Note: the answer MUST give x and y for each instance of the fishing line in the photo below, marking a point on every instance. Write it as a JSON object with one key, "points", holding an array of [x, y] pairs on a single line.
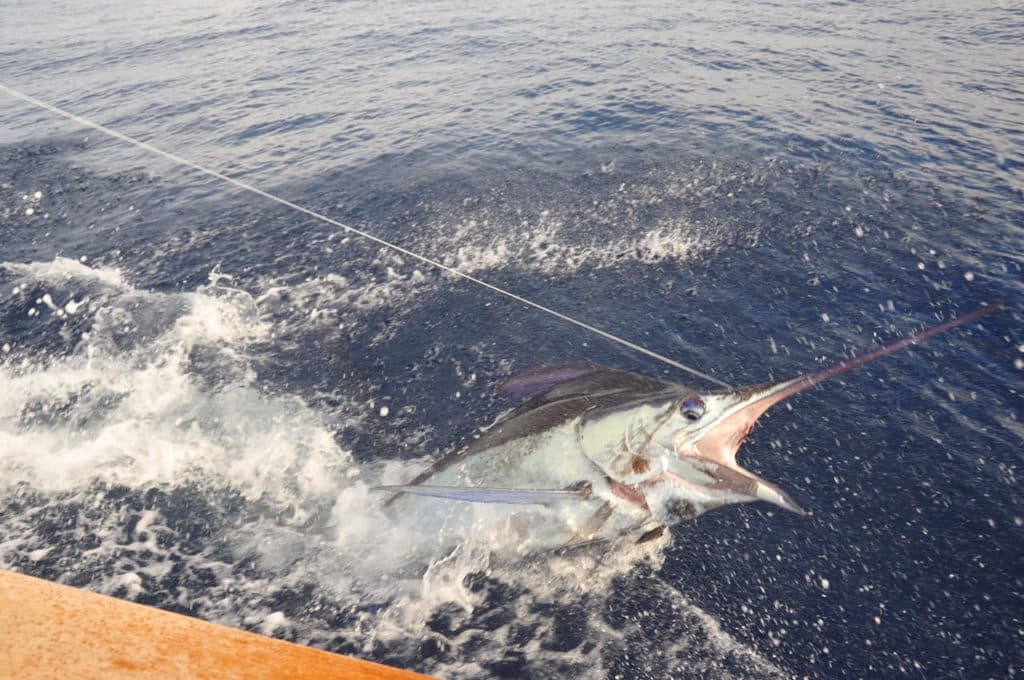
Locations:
{"points": [[323, 218]]}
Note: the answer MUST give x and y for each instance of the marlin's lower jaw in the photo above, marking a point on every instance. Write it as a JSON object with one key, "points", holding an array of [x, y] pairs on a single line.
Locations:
{"points": [[670, 487], [667, 488]]}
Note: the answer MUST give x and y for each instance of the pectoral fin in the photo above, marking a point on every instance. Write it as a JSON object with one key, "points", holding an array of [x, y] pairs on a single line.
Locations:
{"points": [[485, 495]]}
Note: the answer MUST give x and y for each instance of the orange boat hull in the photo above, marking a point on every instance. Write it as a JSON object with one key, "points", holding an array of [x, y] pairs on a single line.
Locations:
{"points": [[49, 630]]}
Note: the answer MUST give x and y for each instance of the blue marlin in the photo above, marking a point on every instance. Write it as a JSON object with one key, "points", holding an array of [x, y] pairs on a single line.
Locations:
{"points": [[601, 452]]}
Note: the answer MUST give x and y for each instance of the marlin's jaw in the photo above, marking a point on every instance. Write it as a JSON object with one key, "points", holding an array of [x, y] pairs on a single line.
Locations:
{"points": [[691, 464], [738, 411], [731, 416]]}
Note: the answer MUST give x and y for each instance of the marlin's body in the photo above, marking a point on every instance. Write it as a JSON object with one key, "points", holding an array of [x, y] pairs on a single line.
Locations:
{"points": [[542, 446], [597, 453]]}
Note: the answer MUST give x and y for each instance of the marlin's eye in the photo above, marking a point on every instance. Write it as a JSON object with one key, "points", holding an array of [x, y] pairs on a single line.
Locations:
{"points": [[692, 408]]}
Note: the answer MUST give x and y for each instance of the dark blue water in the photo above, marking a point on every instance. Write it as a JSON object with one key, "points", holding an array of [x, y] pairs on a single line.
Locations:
{"points": [[197, 385]]}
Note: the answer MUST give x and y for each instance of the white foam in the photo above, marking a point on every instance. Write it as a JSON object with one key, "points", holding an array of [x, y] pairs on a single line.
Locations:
{"points": [[273, 622], [545, 247], [142, 416], [62, 269]]}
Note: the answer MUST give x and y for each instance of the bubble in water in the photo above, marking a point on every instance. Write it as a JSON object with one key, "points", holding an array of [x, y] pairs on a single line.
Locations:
{"points": [[969, 276], [384, 411]]}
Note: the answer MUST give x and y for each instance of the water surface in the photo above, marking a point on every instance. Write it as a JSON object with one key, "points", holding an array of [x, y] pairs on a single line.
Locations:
{"points": [[193, 379]]}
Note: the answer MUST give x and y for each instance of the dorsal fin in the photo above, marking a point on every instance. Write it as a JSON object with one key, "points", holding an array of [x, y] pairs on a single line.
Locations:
{"points": [[540, 380], [563, 381]]}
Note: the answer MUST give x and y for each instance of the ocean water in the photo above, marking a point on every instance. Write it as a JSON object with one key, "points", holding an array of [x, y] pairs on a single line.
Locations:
{"points": [[198, 386]]}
